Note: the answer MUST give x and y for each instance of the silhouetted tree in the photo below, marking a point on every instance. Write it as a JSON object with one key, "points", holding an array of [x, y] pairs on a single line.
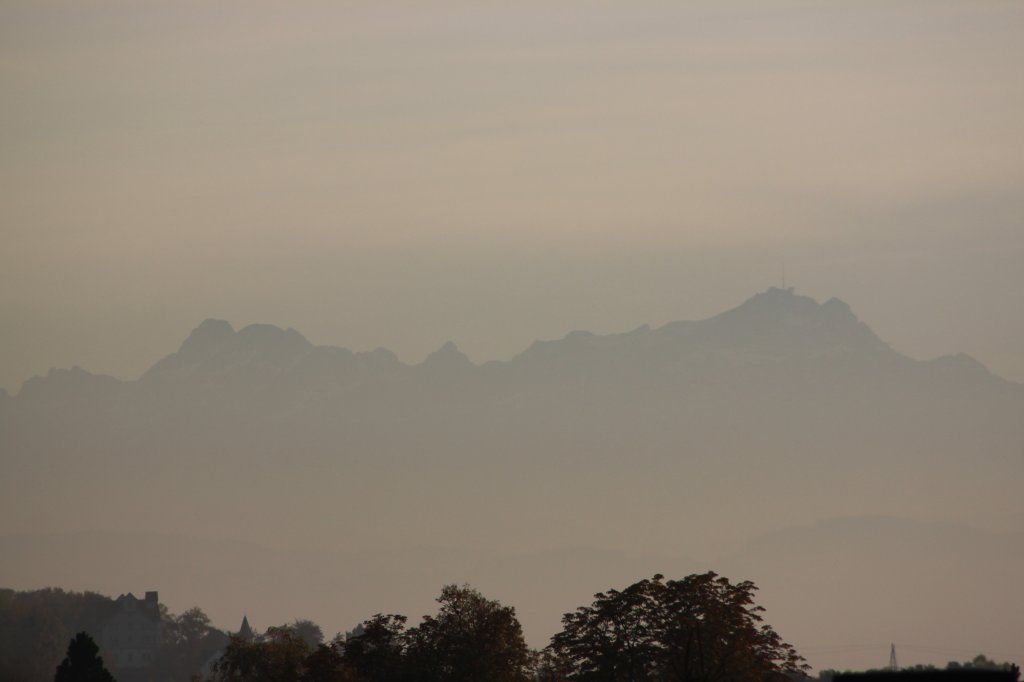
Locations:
{"points": [[377, 653], [550, 667], [326, 664], [83, 662], [187, 642], [471, 638], [308, 631], [701, 628], [35, 628], [279, 656], [612, 639], [982, 662]]}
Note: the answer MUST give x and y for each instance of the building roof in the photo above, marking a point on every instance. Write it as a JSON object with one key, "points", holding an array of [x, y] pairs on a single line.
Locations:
{"points": [[245, 631]]}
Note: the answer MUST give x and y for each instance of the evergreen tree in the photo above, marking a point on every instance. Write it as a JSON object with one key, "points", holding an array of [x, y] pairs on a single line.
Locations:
{"points": [[83, 662]]}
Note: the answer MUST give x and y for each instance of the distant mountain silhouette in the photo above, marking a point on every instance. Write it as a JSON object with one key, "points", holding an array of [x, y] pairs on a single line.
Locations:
{"points": [[780, 364], [781, 322], [447, 357], [778, 354], [776, 325]]}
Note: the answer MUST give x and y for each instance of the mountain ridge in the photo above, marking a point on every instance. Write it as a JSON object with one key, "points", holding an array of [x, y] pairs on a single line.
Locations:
{"points": [[777, 319], [678, 440], [768, 398]]}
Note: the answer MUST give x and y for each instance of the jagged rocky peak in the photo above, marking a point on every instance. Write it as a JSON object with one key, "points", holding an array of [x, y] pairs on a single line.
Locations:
{"points": [[209, 335], [214, 345], [258, 343], [447, 355], [783, 305], [205, 341], [782, 320]]}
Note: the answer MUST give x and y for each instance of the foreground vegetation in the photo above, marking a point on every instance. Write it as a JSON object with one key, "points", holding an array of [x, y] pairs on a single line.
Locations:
{"points": [[699, 628]]}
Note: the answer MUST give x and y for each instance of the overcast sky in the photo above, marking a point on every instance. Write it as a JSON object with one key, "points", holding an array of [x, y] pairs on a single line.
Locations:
{"points": [[401, 174]]}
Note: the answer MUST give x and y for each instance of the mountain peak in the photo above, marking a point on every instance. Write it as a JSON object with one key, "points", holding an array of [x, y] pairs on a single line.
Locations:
{"points": [[781, 319], [446, 356], [776, 301], [215, 341], [210, 334]]}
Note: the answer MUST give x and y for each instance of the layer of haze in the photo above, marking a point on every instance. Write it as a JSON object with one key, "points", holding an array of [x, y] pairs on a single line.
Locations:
{"points": [[399, 174]]}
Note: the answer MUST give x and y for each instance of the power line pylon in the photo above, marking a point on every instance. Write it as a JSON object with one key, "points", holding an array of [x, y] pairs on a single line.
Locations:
{"points": [[892, 658]]}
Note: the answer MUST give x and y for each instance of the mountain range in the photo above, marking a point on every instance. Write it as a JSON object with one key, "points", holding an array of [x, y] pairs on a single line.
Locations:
{"points": [[697, 439]]}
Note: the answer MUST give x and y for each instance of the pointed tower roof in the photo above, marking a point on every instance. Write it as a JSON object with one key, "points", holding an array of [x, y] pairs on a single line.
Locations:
{"points": [[245, 632]]}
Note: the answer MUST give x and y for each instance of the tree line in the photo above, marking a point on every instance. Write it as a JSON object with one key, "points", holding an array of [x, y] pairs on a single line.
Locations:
{"points": [[981, 662], [701, 628]]}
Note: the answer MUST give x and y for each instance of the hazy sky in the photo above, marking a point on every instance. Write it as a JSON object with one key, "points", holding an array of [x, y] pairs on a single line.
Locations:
{"points": [[400, 174]]}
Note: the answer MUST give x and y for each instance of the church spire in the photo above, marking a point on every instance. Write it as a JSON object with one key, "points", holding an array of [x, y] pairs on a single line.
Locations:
{"points": [[245, 632]]}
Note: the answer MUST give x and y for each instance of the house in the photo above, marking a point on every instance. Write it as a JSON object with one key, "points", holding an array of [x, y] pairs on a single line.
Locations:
{"points": [[130, 639]]}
